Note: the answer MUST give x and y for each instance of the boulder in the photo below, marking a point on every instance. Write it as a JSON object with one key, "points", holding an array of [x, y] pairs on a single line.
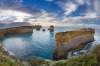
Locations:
{"points": [[72, 40]]}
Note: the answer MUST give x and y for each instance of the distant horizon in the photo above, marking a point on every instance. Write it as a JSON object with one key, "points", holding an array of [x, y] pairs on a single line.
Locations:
{"points": [[47, 12]]}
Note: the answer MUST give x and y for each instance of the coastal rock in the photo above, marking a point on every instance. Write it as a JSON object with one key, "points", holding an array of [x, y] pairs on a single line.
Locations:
{"points": [[43, 29], [72, 40], [38, 27], [18, 30], [51, 28]]}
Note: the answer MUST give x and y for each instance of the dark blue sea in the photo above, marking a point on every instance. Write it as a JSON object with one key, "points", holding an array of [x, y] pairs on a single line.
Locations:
{"points": [[40, 44]]}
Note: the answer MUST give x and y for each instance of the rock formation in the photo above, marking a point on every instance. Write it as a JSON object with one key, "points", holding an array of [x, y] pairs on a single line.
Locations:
{"points": [[71, 40], [18, 30], [38, 27], [43, 29], [51, 28]]}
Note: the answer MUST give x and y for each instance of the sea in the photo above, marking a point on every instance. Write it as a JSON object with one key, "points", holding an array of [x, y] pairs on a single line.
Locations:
{"points": [[41, 44]]}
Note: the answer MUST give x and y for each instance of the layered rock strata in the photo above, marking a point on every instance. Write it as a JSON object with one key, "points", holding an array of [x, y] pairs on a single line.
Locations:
{"points": [[18, 30], [72, 40]]}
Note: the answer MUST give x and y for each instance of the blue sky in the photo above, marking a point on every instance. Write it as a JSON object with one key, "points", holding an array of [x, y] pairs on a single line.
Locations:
{"points": [[69, 12]]}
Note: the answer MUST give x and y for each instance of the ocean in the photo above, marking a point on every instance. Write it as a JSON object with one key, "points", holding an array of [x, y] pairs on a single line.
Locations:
{"points": [[41, 44]]}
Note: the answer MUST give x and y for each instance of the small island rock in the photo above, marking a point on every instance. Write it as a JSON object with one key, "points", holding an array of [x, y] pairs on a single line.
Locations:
{"points": [[43, 29], [51, 28]]}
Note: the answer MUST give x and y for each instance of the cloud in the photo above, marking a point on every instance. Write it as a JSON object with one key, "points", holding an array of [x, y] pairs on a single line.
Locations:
{"points": [[11, 4], [80, 1], [69, 6], [44, 17], [12, 16], [90, 18], [17, 16], [97, 7], [19, 13], [49, 0]]}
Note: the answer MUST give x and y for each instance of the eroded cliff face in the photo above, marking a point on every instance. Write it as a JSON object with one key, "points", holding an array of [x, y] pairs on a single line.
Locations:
{"points": [[71, 40], [18, 30]]}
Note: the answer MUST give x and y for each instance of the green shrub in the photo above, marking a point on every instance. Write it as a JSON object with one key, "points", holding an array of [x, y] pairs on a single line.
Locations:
{"points": [[84, 60], [96, 51], [37, 62], [89, 59], [6, 62]]}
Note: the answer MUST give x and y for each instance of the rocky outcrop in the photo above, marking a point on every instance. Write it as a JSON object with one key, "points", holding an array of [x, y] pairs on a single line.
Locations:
{"points": [[51, 28], [38, 27], [18, 30], [71, 40], [43, 29]]}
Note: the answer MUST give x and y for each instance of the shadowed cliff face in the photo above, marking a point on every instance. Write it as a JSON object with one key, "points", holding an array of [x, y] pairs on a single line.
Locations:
{"points": [[71, 40]]}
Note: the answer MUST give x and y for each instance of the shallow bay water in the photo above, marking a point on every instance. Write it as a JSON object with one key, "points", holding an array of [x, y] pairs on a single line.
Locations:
{"points": [[40, 44]]}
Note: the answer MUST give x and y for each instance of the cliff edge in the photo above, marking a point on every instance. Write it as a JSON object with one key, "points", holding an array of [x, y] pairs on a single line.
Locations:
{"points": [[71, 40], [18, 30]]}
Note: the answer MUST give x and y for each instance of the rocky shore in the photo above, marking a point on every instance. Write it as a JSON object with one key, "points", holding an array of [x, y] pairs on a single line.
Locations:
{"points": [[65, 42], [72, 40]]}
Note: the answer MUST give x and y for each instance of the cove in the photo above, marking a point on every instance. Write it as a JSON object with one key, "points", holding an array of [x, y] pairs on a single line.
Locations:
{"points": [[39, 44]]}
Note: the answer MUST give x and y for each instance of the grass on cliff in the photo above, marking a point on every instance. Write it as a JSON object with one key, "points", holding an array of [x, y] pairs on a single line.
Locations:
{"points": [[5, 62], [84, 60], [90, 59], [37, 62]]}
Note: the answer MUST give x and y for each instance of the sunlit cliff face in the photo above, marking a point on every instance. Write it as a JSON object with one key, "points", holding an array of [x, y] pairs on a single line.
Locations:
{"points": [[14, 16]]}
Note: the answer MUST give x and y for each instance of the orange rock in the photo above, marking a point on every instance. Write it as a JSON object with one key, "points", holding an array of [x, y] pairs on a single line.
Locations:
{"points": [[71, 40], [18, 30]]}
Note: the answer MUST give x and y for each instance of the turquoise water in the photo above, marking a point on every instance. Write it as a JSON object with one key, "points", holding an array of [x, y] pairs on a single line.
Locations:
{"points": [[39, 44]]}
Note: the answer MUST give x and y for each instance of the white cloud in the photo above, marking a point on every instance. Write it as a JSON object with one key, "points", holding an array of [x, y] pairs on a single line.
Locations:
{"points": [[97, 6], [80, 1], [93, 6], [47, 19], [88, 16], [49, 0], [13, 16], [44, 17], [92, 12], [9, 16], [68, 7]]}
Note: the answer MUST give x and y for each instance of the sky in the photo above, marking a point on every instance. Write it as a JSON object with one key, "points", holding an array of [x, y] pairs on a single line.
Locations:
{"points": [[72, 13]]}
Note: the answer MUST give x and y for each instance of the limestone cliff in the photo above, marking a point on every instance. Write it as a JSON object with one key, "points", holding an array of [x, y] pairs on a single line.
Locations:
{"points": [[71, 40], [18, 30]]}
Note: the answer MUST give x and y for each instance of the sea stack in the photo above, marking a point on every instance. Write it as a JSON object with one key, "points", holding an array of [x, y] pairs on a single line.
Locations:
{"points": [[72, 40], [51, 28], [38, 27], [43, 29]]}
